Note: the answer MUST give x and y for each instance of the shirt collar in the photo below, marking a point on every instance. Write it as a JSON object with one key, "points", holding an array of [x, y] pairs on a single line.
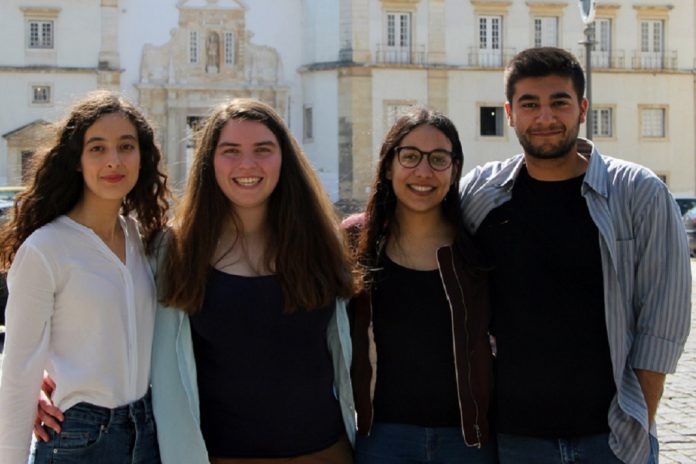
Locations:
{"points": [[596, 174]]}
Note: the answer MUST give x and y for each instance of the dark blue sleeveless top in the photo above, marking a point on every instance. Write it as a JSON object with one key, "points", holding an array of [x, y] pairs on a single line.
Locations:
{"points": [[265, 377]]}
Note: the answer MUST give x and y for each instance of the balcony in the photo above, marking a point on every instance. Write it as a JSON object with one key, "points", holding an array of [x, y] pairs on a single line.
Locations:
{"points": [[604, 59], [400, 55], [665, 60], [479, 58]]}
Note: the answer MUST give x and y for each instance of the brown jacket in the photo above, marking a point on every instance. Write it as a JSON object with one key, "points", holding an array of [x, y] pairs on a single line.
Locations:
{"points": [[470, 311]]}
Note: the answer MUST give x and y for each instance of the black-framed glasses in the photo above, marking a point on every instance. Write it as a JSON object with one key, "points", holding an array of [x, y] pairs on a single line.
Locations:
{"points": [[410, 157]]}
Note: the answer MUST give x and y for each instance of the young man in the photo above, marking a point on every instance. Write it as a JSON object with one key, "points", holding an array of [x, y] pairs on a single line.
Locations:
{"points": [[591, 279]]}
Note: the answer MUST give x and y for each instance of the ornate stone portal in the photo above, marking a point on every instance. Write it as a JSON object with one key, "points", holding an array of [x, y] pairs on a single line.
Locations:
{"points": [[208, 60]]}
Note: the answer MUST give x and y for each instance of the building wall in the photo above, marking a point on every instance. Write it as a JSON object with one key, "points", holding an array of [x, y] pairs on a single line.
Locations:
{"points": [[333, 59], [69, 68]]}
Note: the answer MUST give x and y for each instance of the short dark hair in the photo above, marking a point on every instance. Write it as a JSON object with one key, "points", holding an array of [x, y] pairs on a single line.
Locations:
{"points": [[542, 62]]}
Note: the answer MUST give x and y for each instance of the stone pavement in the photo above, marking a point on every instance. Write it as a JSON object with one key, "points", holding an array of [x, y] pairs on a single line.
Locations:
{"points": [[676, 416]]}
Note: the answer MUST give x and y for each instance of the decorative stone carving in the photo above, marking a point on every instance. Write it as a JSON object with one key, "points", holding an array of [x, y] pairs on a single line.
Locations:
{"points": [[212, 53], [181, 80]]}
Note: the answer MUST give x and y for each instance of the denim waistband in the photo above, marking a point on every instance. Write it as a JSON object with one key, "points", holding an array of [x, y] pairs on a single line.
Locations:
{"points": [[138, 411]]}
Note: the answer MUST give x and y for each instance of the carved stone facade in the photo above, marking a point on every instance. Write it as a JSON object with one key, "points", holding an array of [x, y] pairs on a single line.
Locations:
{"points": [[208, 60], [22, 144]]}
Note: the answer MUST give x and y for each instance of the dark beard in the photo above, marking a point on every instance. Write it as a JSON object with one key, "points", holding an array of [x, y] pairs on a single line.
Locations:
{"points": [[559, 152]]}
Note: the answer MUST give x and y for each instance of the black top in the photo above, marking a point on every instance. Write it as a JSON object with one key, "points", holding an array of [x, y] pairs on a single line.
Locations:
{"points": [[416, 381], [265, 377], [553, 368]]}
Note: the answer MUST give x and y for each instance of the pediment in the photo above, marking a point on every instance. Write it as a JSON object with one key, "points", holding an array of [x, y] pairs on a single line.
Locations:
{"points": [[37, 128], [212, 4]]}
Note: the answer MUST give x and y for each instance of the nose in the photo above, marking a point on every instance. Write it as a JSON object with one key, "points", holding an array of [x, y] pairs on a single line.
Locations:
{"points": [[545, 113], [114, 157], [247, 159], [423, 168]]}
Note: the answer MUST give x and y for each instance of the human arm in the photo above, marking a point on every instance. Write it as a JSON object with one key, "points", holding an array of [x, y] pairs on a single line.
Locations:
{"points": [[652, 384], [661, 298], [28, 317]]}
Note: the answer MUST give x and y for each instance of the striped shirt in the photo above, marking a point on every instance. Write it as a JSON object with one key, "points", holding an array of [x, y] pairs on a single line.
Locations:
{"points": [[646, 274]]}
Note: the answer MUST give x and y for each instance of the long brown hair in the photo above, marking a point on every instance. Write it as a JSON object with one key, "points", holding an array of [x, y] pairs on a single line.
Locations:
{"points": [[304, 247], [380, 214], [57, 185]]}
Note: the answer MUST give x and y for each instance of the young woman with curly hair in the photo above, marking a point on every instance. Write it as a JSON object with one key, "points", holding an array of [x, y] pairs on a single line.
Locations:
{"points": [[81, 294]]}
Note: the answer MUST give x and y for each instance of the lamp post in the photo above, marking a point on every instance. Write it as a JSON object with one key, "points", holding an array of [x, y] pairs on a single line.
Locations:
{"points": [[587, 13]]}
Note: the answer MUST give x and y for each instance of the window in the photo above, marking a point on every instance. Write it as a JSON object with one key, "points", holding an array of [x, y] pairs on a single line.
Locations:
{"points": [[193, 47], [229, 48], [652, 122], [546, 31], [492, 120], [40, 34], [41, 94], [601, 49], [489, 41], [651, 43], [398, 37], [26, 165], [308, 124], [602, 125]]}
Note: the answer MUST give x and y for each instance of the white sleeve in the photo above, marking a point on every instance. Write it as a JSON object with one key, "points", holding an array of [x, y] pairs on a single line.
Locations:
{"points": [[29, 308]]}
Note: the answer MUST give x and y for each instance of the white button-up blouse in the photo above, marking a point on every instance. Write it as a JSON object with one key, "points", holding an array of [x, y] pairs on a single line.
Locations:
{"points": [[75, 310]]}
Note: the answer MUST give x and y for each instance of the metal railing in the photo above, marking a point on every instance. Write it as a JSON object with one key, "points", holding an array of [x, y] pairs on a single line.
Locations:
{"points": [[665, 60], [611, 59], [393, 55], [490, 58]]}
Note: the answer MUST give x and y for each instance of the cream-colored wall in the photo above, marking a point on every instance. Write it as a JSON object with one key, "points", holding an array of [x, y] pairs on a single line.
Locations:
{"points": [[319, 92]]}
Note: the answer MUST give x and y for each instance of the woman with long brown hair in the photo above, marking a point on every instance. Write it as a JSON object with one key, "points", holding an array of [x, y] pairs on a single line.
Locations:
{"points": [[81, 295], [421, 356], [251, 352]]}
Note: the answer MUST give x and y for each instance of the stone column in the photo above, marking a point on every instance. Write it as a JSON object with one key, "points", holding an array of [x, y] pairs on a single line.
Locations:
{"points": [[436, 32], [438, 89], [354, 135], [108, 73]]}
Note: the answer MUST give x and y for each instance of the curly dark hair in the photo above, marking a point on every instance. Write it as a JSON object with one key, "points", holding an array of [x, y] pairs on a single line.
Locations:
{"points": [[57, 185]]}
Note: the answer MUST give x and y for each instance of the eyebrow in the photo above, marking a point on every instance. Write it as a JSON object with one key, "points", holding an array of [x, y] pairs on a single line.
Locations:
{"points": [[258, 144], [554, 96], [102, 139]]}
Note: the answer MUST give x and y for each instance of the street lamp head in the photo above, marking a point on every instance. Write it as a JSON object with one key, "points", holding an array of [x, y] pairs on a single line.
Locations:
{"points": [[587, 10]]}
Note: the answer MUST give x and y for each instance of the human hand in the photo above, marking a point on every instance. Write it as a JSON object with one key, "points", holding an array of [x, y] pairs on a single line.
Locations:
{"points": [[47, 415]]}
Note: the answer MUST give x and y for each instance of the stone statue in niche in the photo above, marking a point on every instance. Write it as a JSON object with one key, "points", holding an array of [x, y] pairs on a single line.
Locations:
{"points": [[212, 53]]}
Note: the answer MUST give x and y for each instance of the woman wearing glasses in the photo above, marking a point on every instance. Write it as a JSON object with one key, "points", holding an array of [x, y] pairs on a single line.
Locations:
{"points": [[421, 354]]}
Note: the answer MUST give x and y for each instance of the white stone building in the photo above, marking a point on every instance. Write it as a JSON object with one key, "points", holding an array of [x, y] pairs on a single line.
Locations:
{"points": [[340, 71]]}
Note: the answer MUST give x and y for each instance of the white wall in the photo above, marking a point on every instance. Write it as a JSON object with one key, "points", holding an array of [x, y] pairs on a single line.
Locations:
{"points": [[320, 90]]}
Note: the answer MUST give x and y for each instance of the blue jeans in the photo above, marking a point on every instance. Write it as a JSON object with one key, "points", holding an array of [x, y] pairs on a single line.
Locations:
{"points": [[410, 444], [591, 449], [89, 433]]}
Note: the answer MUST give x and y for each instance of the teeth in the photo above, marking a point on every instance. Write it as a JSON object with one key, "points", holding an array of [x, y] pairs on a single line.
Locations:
{"points": [[421, 188], [247, 180]]}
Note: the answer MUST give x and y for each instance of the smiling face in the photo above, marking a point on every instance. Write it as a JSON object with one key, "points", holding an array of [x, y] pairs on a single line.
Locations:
{"points": [[110, 159], [247, 163], [421, 189], [546, 115]]}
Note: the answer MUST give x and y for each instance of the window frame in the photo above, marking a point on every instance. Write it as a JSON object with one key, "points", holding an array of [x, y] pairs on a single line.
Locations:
{"points": [[642, 111], [34, 87]]}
